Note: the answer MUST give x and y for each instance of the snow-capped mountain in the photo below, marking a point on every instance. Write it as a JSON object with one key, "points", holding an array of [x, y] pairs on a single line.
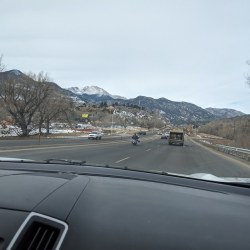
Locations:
{"points": [[93, 90], [175, 112]]}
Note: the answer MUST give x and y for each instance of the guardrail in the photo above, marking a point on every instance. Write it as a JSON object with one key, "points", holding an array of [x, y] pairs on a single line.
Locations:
{"points": [[239, 152]]}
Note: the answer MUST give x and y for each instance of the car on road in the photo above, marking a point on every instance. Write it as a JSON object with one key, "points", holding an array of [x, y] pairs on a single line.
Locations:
{"points": [[165, 136], [142, 133], [95, 135], [72, 205]]}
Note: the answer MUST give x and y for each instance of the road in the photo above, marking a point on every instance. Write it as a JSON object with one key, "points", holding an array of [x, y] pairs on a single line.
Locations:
{"points": [[151, 154]]}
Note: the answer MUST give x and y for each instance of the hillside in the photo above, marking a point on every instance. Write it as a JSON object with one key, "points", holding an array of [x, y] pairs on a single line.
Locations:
{"points": [[20, 77], [177, 113], [120, 116], [221, 113], [236, 129]]}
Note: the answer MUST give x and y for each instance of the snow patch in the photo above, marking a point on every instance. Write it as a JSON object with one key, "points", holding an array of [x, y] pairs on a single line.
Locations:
{"points": [[93, 90], [15, 72]]}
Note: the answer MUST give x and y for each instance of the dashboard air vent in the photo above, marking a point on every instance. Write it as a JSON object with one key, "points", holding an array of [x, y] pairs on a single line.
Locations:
{"points": [[39, 236], [39, 232]]}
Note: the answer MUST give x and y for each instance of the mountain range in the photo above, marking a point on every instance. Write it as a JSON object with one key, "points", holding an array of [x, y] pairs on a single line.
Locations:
{"points": [[175, 112], [224, 113]]}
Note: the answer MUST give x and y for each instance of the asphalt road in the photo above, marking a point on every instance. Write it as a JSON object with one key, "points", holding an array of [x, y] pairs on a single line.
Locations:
{"points": [[151, 154]]}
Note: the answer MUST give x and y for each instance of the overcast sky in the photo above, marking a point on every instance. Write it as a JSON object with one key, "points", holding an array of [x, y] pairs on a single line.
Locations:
{"points": [[183, 50]]}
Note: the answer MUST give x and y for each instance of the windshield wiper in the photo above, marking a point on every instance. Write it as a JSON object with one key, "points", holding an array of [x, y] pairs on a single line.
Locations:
{"points": [[71, 162]]}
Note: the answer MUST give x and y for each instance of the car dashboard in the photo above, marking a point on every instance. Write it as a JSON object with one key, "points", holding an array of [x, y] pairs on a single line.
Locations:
{"points": [[61, 206]]}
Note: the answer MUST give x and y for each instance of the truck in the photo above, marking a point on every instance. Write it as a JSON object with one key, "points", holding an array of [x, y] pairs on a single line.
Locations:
{"points": [[176, 137]]}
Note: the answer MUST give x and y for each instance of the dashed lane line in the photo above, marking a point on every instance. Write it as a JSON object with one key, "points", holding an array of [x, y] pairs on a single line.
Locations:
{"points": [[122, 159], [148, 149]]}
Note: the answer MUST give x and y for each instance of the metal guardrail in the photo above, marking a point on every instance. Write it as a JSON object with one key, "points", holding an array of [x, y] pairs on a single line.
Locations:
{"points": [[239, 152]]}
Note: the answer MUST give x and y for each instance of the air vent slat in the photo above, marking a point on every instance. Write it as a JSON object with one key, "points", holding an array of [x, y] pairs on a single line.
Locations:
{"points": [[40, 236], [31, 245], [49, 241], [41, 241]]}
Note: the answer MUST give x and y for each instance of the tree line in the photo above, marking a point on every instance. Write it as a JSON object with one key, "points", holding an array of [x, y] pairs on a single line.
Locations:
{"points": [[236, 129]]}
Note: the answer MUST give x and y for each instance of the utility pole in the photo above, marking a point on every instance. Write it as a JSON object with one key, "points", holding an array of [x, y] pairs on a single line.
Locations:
{"points": [[112, 120], [234, 129], [195, 127], [112, 123]]}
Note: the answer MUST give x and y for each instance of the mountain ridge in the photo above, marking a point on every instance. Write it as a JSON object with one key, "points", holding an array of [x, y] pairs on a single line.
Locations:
{"points": [[176, 112], [224, 112], [93, 90]]}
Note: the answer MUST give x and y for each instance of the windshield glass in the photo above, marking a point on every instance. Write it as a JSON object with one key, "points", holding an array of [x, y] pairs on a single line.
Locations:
{"points": [[159, 86]]}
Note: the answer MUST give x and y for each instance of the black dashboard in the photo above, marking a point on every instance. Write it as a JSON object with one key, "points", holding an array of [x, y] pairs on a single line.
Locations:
{"points": [[89, 207]]}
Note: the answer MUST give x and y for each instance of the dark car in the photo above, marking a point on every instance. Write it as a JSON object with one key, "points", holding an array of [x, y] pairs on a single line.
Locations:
{"points": [[142, 133], [65, 206]]}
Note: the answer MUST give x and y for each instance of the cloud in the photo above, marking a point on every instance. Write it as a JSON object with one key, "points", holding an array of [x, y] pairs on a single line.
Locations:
{"points": [[183, 50]]}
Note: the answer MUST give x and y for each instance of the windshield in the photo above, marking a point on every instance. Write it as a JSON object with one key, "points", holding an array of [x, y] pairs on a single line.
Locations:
{"points": [[159, 86]]}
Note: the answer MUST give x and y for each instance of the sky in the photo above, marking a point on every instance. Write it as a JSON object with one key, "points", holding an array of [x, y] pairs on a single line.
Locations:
{"points": [[184, 50]]}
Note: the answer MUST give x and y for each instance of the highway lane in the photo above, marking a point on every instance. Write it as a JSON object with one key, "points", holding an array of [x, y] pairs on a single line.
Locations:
{"points": [[151, 154], [28, 142]]}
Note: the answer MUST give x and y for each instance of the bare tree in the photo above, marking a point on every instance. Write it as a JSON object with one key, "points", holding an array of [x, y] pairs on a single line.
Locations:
{"points": [[40, 77], [158, 123], [55, 107], [22, 96], [2, 66]]}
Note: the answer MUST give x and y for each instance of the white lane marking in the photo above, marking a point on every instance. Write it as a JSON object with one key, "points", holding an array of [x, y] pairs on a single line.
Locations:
{"points": [[59, 146], [148, 149], [122, 159]]}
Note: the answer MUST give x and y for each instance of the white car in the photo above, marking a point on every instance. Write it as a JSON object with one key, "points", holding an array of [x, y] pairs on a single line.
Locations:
{"points": [[95, 135]]}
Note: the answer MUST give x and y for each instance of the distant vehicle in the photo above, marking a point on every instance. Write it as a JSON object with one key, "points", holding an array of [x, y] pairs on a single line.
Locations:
{"points": [[95, 135], [165, 136], [159, 133], [176, 137], [142, 133], [4, 131]]}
